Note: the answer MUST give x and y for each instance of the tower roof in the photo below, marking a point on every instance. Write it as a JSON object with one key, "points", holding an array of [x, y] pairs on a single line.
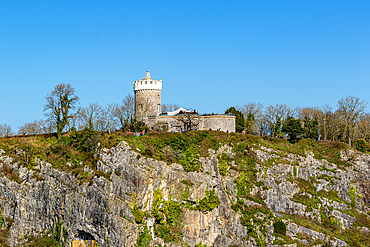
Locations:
{"points": [[148, 83]]}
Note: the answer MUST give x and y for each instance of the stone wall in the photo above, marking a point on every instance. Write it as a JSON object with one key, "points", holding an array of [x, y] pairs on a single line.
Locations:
{"points": [[220, 122], [147, 103]]}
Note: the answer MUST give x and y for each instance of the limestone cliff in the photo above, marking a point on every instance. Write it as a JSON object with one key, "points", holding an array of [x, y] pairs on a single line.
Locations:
{"points": [[228, 200]]}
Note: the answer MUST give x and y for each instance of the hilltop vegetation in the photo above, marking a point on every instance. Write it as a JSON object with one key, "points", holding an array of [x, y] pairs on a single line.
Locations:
{"points": [[279, 192], [349, 123]]}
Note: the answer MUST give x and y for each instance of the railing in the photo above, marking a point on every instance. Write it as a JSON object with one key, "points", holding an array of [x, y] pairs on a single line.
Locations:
{"points": [[84, 243]]}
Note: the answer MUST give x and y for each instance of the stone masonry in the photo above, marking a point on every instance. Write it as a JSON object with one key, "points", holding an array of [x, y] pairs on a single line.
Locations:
{"points": [[147, 97], [148, 109]]}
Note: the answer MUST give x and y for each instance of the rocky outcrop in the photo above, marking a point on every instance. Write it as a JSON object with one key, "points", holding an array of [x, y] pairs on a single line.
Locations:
{"points": [[102, 208]]}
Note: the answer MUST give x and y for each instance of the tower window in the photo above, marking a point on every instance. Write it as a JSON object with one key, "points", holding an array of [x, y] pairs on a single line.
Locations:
{"points": [[146, 82], [141, 83], [158, 108]]}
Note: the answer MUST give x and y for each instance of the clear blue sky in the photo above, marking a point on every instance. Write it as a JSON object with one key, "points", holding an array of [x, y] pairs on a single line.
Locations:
{"points": [[210, 54]]}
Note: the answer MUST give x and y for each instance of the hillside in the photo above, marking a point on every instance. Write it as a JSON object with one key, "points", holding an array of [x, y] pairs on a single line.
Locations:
{"points": [[200, 188]]}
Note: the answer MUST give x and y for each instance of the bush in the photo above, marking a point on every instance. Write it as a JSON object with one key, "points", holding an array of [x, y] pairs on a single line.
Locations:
{"points": [[88, 141], [243, 184], [279, 227], [223, 166], [361, 145], [168, 215], [209, 202], [136, 126], [191, 160], [44, 241], [138, 214], [144, 238], [200, 245]]}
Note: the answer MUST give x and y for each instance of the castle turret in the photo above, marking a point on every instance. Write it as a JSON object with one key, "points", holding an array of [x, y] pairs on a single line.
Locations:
{"points": [[147, 97]]}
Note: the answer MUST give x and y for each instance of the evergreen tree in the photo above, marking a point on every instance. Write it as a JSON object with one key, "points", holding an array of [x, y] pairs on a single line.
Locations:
{"points": [[277, 127], [311, 129], [239, 121], [293, 128], [249, 123]]}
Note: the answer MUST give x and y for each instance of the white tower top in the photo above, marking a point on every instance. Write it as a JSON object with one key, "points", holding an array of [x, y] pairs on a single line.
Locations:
{"points": [[148, 83]]}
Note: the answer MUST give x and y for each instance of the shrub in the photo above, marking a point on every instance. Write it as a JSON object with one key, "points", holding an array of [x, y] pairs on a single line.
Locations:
{"points": [[223, 166], [209, 201], [187, 182], [243, 184], [88, 141], [279, 227], [352, 195], [138, 214], [295, 171], [200, 245], [361, 145], [178, 142], [136, 126], [144, 238], [44, 241], [191, 160], [168, 215]]}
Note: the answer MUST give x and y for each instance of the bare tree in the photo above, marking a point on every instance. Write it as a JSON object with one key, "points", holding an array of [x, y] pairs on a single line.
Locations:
{"points": [[47, 126], [256, 111], [262, 126], [59, 104], [309, 117], [350, 110], [189, 119], [170, 107], [108, 118], [125, 111], [363, 127], [74, 123], [30, 128], [333, 126], [37, 127], [90, 115], [276, 114], [6, 130], [324, 119], [255, 108], [309, 113]]}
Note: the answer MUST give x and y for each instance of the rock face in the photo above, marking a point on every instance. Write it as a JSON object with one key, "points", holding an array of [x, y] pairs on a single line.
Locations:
{"points": [[103, 209]]}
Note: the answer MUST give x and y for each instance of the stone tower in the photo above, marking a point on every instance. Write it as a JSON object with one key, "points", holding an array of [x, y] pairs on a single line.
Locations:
{"points": [[147, 97]]}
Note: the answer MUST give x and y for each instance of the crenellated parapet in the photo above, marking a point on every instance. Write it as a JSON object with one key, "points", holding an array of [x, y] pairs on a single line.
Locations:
{"points": [[147, 83]]}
